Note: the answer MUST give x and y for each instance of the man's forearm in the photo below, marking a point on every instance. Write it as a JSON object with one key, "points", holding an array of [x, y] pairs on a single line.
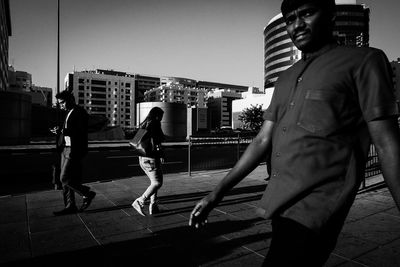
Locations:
{"points": [[386, 137], [390, 166], [250, 159]]}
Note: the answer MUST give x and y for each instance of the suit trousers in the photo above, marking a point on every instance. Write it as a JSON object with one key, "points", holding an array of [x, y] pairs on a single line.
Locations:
{"points": [[71, 177]]}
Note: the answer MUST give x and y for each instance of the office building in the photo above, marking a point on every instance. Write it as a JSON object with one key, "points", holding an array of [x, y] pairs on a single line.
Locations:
{"points": [[220, 108], [174, 92], [5, 32], [104, 92], [396, 77], [115, 94], [19, 81], [178, 80], [210, 86], [351, 28], [352, 24], [144, 83]]}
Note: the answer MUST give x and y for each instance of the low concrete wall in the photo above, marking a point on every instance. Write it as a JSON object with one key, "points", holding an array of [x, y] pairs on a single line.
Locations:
{"points": [[108, 134]]}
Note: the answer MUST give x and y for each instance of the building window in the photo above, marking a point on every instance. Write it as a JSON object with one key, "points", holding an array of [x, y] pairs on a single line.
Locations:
{"points": [[98, 82], [98, 89], [98, 102]]}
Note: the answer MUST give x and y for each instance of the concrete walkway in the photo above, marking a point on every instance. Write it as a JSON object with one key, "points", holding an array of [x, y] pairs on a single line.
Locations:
{"points": [[111, 233]]}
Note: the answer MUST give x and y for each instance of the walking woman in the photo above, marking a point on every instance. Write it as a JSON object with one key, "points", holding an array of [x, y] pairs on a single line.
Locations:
{"points": [[151, 165]]}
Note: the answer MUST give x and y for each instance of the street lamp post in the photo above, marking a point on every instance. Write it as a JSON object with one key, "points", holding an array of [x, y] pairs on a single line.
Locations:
{"points": [[58, 46]]}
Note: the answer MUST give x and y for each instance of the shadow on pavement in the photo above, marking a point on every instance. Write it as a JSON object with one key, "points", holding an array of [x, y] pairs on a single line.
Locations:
{"points": [[179, 246], [194, 197]]}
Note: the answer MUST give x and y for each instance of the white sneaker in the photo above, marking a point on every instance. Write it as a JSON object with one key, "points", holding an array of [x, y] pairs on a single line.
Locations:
{"points": [[138, 206], [153, 208]]}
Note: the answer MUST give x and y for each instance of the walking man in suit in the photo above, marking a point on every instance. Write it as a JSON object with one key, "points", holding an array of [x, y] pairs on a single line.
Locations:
{"points": [[74, 144]]}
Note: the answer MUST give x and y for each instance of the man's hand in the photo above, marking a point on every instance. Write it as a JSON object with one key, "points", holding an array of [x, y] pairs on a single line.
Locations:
{"points": [[198, 217]]}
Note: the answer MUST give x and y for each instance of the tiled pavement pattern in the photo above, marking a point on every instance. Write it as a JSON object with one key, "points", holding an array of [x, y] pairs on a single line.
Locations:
{"points": [[110, 233]]}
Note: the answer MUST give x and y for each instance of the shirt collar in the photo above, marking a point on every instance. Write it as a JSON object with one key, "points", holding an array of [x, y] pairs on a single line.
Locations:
{"points": [[324, 49]]}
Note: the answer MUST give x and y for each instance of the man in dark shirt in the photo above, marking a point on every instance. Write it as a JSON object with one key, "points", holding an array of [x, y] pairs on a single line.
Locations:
{"points": [[74, 144], [325, 110]]}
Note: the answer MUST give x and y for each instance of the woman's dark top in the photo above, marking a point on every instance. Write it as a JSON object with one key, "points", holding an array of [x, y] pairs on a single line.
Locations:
{"points": [[154, 129]]}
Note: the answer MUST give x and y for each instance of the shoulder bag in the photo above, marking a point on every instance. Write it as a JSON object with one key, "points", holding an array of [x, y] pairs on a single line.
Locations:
{"points": [[142, 143]]}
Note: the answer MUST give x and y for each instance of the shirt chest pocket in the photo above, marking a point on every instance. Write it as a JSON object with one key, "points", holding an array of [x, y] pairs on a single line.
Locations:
{"points": [[322, 111]]}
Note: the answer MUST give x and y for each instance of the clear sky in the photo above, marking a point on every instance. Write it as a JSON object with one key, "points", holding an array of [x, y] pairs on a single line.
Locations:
{"points": [[209, 40]]}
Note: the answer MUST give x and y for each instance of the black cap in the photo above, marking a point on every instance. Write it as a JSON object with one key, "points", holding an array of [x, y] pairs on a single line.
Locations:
{"points": [[290, 5]]}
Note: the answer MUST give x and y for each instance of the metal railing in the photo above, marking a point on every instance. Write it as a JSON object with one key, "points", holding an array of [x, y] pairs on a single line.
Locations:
{"points": [[239, 143], [372, 170]]}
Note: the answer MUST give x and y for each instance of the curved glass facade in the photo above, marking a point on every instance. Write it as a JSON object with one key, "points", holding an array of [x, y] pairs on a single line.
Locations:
{"points": [[351, 28], [279, 51], [5, 32]]}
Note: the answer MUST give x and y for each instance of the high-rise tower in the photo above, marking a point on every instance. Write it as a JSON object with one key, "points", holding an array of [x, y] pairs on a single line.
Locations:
{"points": [[352, 24], [279, 50], [5, 32]]}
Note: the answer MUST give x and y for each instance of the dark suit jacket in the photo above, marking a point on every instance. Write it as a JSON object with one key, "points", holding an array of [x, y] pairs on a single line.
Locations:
{"points": [[77, 130]]}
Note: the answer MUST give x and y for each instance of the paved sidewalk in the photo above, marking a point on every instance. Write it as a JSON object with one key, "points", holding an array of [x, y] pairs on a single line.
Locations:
{"points": [[111, 233]]}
